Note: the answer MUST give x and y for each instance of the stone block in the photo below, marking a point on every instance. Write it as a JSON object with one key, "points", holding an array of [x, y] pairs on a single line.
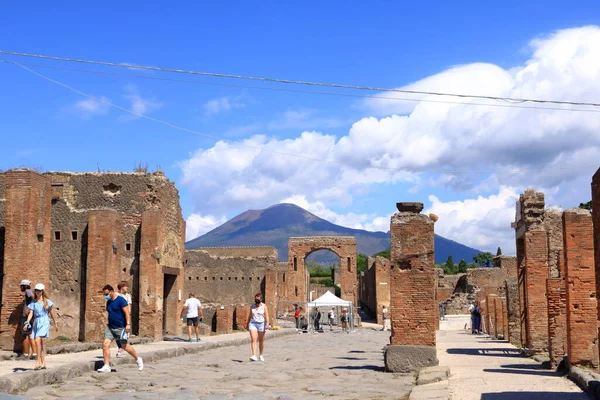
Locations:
{"points": [[433, 374], [404, 359]]}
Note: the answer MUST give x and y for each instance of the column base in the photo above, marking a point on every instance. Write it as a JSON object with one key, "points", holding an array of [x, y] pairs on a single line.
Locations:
{"points": [[405, 359]]}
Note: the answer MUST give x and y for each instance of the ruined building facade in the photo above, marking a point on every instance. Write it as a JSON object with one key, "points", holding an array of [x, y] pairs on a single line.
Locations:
{"points": [[76, 232]]}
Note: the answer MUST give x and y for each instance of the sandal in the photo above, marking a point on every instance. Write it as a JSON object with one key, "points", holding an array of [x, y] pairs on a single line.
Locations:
{"points": [[37, 368], [44, 367]]}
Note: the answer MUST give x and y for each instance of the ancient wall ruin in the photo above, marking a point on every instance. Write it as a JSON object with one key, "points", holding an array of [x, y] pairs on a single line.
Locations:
{"points": [[375, 287], [89, 230]]}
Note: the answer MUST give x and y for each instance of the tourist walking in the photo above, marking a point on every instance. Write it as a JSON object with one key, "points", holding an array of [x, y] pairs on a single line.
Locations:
{"points": [[28, 343], [40, 330], [258, 321], [331, 317], [476, 318], [118, 327], [123, 288], [317, 320], [297, 316], [385, 314], [193, 314]]}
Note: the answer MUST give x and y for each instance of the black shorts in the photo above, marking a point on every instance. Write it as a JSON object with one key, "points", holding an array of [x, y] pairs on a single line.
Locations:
{"points": [[192, 321]]}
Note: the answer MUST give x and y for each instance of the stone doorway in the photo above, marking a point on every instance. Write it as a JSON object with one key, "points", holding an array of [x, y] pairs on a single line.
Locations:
{"points": [[170, 299]]}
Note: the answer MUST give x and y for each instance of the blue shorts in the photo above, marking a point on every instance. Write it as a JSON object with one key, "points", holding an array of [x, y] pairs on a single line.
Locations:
{"points": [[256, 326]]}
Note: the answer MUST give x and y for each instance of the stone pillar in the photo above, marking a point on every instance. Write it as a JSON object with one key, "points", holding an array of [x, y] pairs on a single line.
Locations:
{"points": [[26, 246], [499, 318], [151, 279], [513, 311], [536, 274], [557, 319], [521, 292], [596, 222], [582, 306], [103, 267], [491, 302], [484, 316], [242, 311], [412, 291], [224, 319], [271, 295]]}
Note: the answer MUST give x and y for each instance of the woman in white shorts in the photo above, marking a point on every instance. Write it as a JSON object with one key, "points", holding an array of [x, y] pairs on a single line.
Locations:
{"points": [[258, 321]]}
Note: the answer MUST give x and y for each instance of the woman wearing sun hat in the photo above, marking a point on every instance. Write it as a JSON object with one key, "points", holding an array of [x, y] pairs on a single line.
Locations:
{"points": [[41, 309]]}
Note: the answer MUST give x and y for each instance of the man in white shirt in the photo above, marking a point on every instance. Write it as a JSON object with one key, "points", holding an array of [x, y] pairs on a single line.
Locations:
{"points": [[193, 310]]}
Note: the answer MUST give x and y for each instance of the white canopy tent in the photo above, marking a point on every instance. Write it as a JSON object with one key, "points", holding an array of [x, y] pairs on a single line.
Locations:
{"points": [[331, 300]]}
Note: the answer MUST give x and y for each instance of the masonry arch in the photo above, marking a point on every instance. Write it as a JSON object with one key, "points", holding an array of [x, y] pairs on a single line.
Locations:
{"points": [[301, 247]]}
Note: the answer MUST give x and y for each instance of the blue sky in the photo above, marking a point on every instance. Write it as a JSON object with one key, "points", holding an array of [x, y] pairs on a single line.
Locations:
{"points": [[384, 44]]}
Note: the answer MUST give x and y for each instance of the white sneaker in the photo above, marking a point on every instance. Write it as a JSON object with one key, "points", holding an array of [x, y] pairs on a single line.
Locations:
{"points": [[140, 363], [119, 353], [106, 368], [261, 358], [253, 358]]}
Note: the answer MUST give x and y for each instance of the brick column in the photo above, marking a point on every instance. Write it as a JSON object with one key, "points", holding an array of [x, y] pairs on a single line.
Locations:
{"points": [[536, 274], [271, 291], [103, 267], [505, 332], [582, 306], [513, 311], [224, 319], [499, 318], [412, 291], [596, 222], [242, 311], [491, 302], [557, 319], [26, 246], [151, 279], [484, 316]]}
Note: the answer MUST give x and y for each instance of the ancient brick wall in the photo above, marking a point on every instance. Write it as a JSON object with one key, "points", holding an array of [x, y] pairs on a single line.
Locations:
{"points": [[557, 319], [226, 280], [251, 252], [27, 238], [513, 311], [301, 247], [103, 266], [242, 312], [224, 316], [413, 305], [492, 315], [376, 287], [596, 223], [536, 274], [582, 306], [554, 230], [521, 290]]}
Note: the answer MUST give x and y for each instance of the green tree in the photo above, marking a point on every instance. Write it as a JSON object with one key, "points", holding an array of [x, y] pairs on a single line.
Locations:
{"points": [[384, 254], [483, 259], [449, 267], [361, 263], [462, 266], [587, 206], [317, 270], [498, 252]]}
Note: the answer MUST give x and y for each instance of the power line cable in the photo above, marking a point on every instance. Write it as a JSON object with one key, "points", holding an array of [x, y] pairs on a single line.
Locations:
{"points": [[304, 91], [360, 167], [297, 82]]}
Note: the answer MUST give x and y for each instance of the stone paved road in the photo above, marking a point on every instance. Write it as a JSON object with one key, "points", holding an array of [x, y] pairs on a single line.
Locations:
{"points": [[332, 365]]}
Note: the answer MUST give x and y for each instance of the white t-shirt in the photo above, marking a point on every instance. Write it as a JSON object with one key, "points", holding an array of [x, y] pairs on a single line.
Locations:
{"points": [[258, 313], [127, 297], [191, 307], [331, 314]]}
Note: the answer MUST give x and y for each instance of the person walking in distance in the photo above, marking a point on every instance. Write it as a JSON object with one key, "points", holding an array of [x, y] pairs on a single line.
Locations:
{"points": [[258, 321], [385, 314], [317, 320], [118, 328], [476, 318], [297, 316], [193, 313], [331, 317], [123, 288], [40, 330], [28, 343]]}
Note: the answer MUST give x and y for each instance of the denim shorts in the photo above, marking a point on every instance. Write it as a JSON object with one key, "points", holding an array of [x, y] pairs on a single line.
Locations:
{"points": [[256, 326]]}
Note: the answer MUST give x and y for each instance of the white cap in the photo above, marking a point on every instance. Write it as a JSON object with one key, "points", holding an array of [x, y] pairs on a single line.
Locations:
{"points": [[25, 282], [39, 286]]}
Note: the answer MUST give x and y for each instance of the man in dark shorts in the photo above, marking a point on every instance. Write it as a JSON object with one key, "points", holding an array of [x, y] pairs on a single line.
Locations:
{"points": [[193, 312], [118, 328], [28, 343]]}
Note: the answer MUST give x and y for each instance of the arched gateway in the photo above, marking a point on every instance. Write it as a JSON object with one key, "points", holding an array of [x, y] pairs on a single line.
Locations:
{"points": [[297, 277]]}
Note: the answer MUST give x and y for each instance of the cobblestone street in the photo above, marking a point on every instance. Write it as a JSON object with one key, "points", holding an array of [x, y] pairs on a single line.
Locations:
{"points": [[332, 365]]}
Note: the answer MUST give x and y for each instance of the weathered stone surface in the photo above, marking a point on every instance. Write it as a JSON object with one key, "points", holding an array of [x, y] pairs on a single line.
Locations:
{"points": [[433, 374], [412, 207], [432, 391], [403, 358]]}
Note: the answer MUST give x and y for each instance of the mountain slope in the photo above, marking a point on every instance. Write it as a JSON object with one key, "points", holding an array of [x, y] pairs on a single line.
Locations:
{"points": [[274, 225]]}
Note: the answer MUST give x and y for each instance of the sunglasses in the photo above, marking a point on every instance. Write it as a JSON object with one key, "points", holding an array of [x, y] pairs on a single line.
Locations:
{"points": [[37, 290]]}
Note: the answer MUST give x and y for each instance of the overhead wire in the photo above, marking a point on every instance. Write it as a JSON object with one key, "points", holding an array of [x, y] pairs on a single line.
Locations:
{"points": [[296, 82], [422, 100]]}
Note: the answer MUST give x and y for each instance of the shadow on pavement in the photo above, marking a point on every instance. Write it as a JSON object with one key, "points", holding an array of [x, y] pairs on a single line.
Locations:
{"points": [[357, 351], [351, 358], [361, 367], [533, 396], [522, 371], [500, 352]]}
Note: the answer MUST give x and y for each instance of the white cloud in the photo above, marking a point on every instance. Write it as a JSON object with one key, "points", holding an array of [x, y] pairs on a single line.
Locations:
{"points": [[302, 119], [89, 107], [197, 225], [138, 104], [221, 104], [471, 148], [481, 222]]}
